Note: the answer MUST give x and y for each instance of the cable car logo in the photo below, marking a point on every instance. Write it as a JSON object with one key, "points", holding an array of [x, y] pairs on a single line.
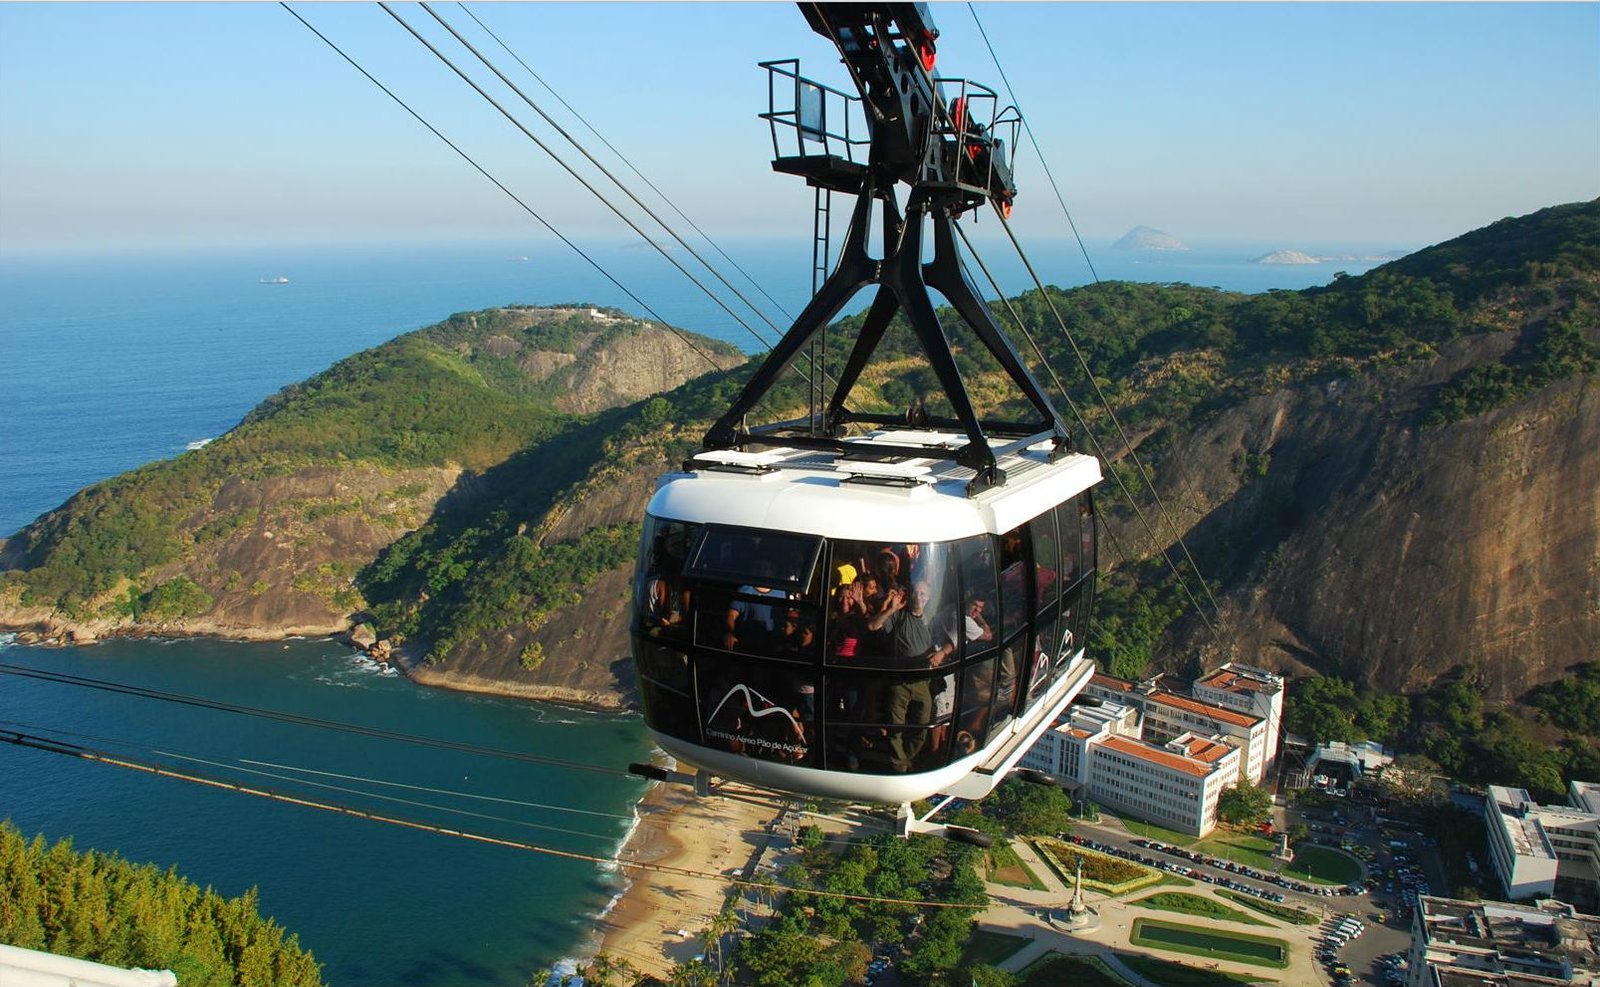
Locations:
{"points": [[772, 709]]}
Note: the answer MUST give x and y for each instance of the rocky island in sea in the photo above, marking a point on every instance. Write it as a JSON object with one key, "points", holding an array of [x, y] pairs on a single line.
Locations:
{"points": [[1286, 257], [471, 492], [1149, 238]]}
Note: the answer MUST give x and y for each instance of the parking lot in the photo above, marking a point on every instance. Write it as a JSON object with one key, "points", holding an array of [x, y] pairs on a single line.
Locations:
{"points": [[1394, 877]]}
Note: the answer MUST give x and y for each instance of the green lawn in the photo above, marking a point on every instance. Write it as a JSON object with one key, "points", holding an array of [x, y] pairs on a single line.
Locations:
{"points": [[1212, 943], [1246, 848], [1151, 831], [992, 948], [1170, 974], [1009, 869], [1299, 916], [1324, 865], [1055, 970], [1193, 904]]}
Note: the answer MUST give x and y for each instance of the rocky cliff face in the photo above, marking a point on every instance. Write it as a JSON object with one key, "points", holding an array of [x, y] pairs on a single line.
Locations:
{"points": [[1388, 551]]}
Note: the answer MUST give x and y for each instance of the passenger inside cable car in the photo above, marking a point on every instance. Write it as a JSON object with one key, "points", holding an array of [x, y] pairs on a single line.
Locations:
{"points": [[877, 657]]}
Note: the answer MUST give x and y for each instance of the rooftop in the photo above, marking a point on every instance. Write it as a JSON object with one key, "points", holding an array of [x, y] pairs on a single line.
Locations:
{"points": [[1158, 756], [1539, 938], [1199, 708], [1242, 679], [1110, 682]]}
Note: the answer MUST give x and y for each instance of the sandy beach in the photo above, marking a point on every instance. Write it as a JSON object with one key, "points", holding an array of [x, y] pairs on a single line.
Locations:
{"points": [[713, 835]]}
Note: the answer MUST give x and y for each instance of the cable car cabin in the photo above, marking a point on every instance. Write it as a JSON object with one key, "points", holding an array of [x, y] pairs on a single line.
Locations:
{"points": [[850, 628]]}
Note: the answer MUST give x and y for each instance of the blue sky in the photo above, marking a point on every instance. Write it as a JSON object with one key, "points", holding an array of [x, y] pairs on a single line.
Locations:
{"points": [[1390, 125]]}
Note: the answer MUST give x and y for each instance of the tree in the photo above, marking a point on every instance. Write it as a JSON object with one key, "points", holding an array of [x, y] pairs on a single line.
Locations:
{"points": [[811, 837], [984, 975], [1028, 809], [1298, 833], [1244, 805], [1322, 709]]}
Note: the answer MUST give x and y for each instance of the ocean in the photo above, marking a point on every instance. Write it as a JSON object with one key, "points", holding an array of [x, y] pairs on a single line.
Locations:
{"points": [[375, 903], [112, 360]]}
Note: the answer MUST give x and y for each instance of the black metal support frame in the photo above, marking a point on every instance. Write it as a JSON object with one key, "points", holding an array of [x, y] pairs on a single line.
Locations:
{"points": [[888, 48], [903, 282]]}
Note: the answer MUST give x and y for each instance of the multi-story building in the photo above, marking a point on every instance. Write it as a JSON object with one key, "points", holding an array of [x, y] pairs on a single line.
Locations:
{"points": [[1063, 752], [1495, 944], [1533, 846], [1097, 753], [1166, 714], [1246, 689], [1175, 784]]}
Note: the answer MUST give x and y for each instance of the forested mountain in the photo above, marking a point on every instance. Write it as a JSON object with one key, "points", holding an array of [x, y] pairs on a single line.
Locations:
{"points": [[1384, 478]]}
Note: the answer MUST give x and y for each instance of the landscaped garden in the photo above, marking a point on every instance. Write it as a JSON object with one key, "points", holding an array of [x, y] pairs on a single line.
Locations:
{"points": [[1214, 944], [1054, 969], [1005, 867], [1170, 974], [1104, 873], [1193, 904]]}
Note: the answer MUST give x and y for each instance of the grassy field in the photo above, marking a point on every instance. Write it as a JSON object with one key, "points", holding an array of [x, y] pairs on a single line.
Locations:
{"points": [[1151, 831], [992, 948], [1170, 974], [1211, 943], [1299, 916], [1193, 904], [1323, 865], [1245, 848], [1005, 867]]}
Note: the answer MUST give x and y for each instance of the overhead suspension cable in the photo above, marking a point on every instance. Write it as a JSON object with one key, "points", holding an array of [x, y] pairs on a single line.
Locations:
{"points": [[1011, 94], [594, 161], [298, 719], [1056, 188], [624, 159], [101, 757], [501, 186], [666, 254], [1016, 318], [1127, 443]]}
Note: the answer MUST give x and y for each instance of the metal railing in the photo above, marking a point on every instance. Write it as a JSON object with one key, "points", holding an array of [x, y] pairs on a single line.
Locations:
{"points": [[817, 120]]}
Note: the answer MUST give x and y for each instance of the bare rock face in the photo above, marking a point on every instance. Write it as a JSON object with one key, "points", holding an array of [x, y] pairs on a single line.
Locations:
{"points": [[632, 368], [1390, 552]]}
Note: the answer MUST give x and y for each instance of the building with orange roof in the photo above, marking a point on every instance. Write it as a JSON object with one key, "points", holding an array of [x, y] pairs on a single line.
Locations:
{"points": [[1246, 689], [1098, 754], [1168, 715], [1176, 784]]}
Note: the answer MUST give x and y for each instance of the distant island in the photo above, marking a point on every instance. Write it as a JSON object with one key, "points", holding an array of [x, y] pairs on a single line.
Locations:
{"points": [[1149, 238], [1299, 257], [1286, 257]]}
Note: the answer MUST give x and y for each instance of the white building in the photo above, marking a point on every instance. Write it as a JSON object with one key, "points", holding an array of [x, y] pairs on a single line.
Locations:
{"points": [[1246, 689], [1099, 755], [1166, 714], [1175, 784], [1062, 752], [1495, 944], [1532, 845]]}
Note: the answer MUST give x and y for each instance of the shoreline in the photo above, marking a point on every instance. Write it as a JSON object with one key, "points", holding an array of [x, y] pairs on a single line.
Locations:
{"points": [[51, 633], [713, 836]]}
